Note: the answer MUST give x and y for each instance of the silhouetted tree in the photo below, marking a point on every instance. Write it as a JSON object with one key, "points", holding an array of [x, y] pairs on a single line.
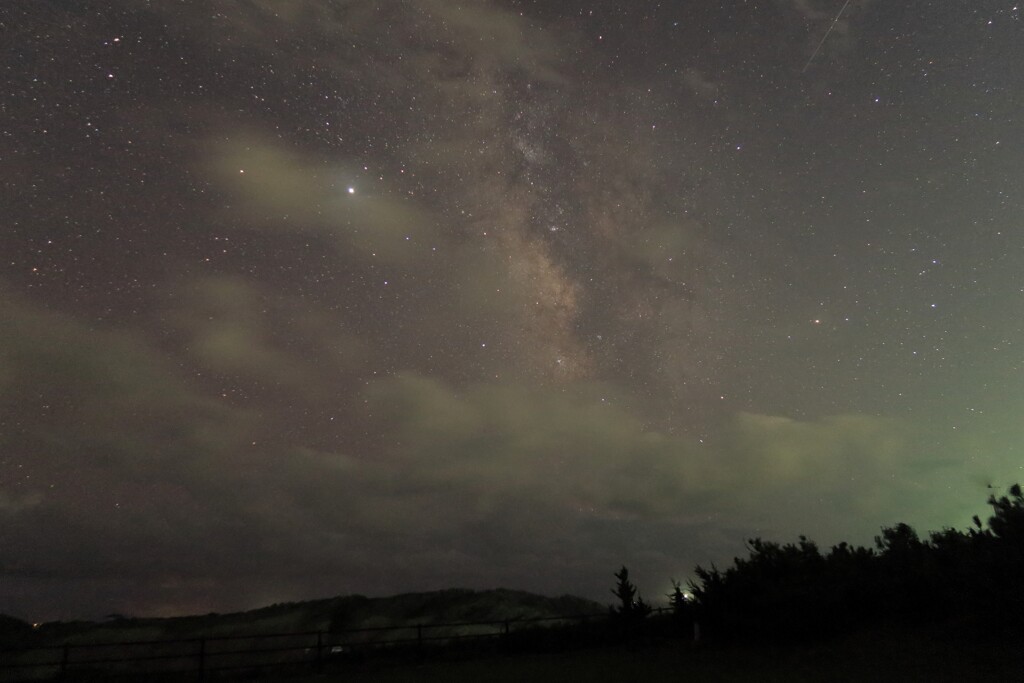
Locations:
{"points": [[793, 590], [677, 599], [13, 631], [625, 591], [682, 611], [631, 610]]}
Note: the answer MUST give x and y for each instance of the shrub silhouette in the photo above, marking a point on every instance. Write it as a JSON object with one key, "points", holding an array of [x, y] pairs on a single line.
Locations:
{"points": [[792, 590]]}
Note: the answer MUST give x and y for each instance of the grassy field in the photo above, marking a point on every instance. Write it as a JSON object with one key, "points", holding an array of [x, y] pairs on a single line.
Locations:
{"points": [[879, 656]]}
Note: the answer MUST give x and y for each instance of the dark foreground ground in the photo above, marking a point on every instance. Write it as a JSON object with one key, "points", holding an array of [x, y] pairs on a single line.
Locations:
{"points": [[876, 656]]}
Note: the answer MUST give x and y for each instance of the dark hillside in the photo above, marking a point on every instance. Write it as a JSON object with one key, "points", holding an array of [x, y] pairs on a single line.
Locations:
{"points": [[331, 614]]}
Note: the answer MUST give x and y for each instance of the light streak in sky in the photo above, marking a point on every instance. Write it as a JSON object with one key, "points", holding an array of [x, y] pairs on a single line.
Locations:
{"points": [[825, 37]]}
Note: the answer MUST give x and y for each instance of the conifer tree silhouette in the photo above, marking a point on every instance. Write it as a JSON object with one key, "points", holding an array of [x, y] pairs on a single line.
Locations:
{"points": [[631, 609]]}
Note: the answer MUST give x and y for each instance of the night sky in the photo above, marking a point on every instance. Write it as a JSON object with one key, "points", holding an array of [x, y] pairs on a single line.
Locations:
{"points": [[301, 298]]}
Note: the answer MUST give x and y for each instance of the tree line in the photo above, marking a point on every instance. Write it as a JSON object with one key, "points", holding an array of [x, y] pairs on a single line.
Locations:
{"points": [[794, 590]]}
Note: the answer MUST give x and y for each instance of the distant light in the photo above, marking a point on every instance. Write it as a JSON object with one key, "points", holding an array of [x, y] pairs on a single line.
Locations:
{"points": [[351, 190]]}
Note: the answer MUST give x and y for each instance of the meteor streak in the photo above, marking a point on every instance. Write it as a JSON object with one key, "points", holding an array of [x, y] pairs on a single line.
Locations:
{"points": [[825, 37]]}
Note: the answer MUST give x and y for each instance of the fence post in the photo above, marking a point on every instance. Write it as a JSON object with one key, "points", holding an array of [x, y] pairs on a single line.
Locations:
{"points": [[419, 640], [64, 657], [202, 659], [319, 649]]}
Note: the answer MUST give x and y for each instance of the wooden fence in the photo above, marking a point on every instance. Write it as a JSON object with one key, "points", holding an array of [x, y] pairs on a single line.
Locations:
{"points": [[203, 657]]}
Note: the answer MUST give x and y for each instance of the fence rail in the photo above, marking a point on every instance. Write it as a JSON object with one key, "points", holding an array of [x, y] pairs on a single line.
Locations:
{"points": [[201, 656]]}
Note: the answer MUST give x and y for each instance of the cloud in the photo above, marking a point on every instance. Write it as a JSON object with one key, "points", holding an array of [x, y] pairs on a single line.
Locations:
{"points": [[462, 480], [486, 34], [500, 38], [699, 84], [808, 10], [238, 330], [110, 444], [10, 504], [828, 18], [97, 387], [277, 189], [580, 453]]}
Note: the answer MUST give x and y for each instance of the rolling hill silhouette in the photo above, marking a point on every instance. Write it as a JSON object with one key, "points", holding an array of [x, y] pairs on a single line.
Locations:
{"points": [[330, 614]]}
